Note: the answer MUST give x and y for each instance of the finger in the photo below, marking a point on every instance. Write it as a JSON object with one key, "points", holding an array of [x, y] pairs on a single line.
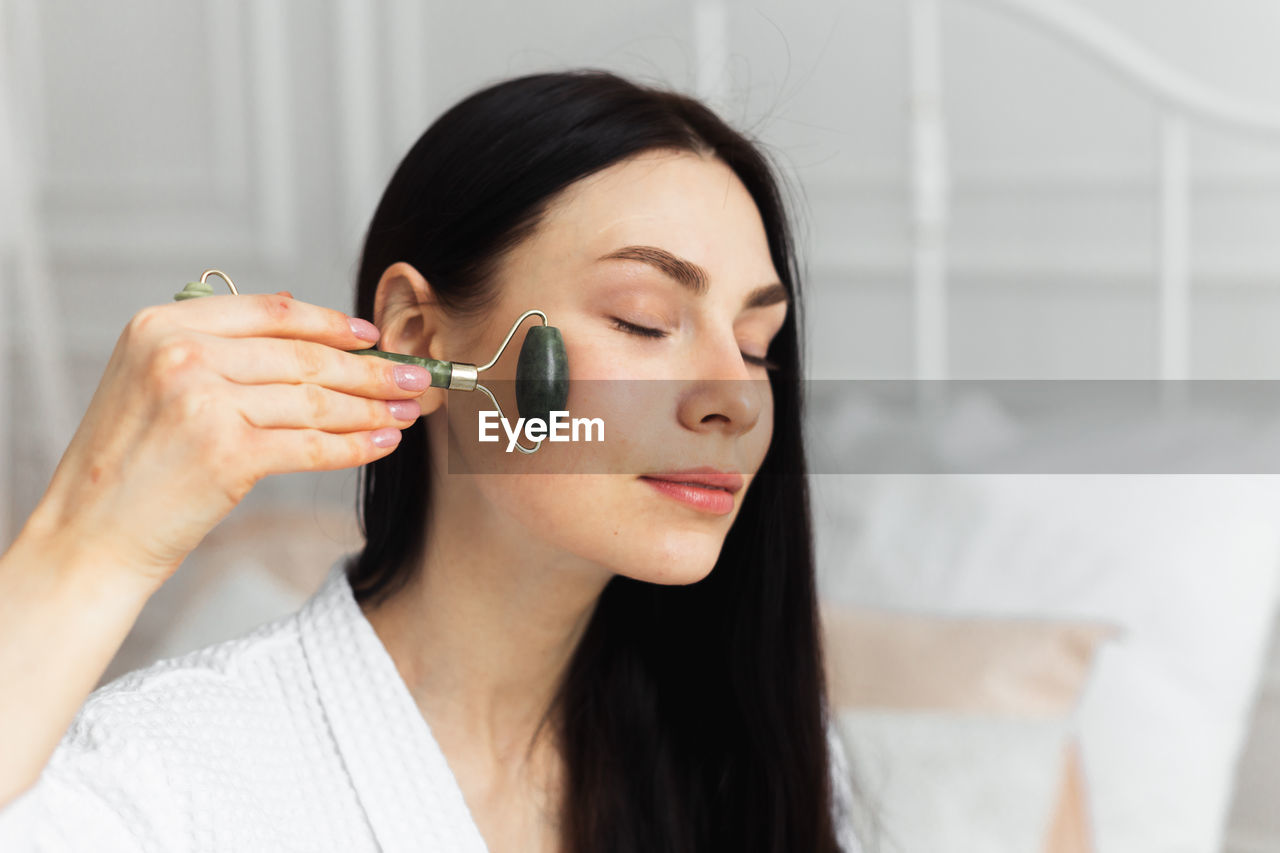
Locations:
{"points": [[271, 315], [316, 407], [288, 450], [262, 361]]}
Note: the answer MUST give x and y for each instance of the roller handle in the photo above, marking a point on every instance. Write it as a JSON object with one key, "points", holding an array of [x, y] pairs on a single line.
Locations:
{"points": [[440, 370]]}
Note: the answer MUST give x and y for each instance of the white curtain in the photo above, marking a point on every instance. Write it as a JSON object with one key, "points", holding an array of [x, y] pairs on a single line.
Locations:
{"points": [[34, 362]]}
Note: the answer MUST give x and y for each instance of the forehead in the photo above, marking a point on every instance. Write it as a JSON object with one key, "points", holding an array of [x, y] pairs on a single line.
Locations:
{"points": [[691, 205]]}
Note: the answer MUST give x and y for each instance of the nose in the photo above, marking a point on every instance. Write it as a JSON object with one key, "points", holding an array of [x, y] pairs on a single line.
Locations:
{"points": [[723, 395]]}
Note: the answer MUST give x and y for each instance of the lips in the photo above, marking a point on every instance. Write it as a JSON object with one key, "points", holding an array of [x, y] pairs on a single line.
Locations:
{"points": [[705, 477]]}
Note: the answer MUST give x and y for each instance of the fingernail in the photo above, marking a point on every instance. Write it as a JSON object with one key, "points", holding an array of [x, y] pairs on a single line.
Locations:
{"points": [[363, 329], [411, 377], [385, 437], [404, 410]]}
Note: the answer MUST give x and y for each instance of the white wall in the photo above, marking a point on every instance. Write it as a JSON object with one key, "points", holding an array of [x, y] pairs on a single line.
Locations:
{"points": [[256, 136]]}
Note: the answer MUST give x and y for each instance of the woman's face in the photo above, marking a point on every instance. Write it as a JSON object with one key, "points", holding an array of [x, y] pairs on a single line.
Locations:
{"points": [[690, 393]]}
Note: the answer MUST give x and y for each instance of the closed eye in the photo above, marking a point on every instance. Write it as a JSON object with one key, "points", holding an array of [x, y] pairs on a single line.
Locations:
{"points": [[643, 331], [647, 332]]}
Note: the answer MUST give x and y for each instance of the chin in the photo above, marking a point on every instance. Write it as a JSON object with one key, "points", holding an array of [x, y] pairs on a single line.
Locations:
{"points": [[681, 560]]}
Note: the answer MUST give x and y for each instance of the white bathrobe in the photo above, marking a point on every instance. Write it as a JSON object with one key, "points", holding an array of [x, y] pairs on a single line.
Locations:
{"points": [[300, 735]]}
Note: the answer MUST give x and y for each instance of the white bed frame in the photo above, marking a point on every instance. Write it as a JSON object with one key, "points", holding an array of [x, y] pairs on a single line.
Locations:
{"points": [[1182, 101]]}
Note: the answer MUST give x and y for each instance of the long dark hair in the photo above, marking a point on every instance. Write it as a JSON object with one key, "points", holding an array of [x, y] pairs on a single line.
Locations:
{"points": [[691, 717]]}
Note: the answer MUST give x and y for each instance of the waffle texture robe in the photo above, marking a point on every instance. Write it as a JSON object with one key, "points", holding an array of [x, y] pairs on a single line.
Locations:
{"points": [[298, 736]]}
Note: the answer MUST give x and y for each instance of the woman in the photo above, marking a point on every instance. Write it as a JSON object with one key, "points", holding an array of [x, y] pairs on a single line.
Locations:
{"points": [[586, 657]]}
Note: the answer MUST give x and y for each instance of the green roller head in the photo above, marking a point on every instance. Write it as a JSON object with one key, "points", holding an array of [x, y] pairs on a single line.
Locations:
{"points": [[542, 374]]}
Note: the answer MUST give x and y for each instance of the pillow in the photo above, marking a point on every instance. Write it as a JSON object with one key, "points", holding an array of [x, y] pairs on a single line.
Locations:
{"points": [[884, 659], [960, 731], [1185, 566], [953, 782]]}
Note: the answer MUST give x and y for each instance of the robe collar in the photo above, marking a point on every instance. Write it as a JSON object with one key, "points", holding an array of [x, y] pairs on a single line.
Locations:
{"points": [[408, 792]]}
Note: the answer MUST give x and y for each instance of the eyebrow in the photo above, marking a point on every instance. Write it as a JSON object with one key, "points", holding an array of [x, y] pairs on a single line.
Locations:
{"points": [[692, 276]]}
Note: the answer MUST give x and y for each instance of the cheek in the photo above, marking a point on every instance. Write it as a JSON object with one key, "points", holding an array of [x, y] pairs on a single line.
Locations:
{"points": [[762, 435], [587, 515], [566, 510], [595, 358], [609, 520]]}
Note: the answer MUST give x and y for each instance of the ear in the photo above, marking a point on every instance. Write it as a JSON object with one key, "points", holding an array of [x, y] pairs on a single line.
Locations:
{"points": [[408, 317]]}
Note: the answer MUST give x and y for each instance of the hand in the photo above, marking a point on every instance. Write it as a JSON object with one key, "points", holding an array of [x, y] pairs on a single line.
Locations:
{"points": [[199, 401]]}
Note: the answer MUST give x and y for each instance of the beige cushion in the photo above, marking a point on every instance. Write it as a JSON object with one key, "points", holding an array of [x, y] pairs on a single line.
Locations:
{"points": [[889, 659], [960, 730]]}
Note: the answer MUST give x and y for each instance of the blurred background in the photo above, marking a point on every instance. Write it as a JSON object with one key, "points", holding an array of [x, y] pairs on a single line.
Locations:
{"points": [[1029, 189]]}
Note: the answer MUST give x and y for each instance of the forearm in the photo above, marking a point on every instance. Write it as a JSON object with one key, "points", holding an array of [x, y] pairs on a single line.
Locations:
{"points": [[64, 612]]}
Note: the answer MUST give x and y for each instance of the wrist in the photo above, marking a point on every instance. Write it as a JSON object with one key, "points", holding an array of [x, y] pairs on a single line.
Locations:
{"points": [[79, 565]]}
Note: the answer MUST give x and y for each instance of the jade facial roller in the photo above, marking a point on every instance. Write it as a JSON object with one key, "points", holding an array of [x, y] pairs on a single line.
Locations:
{"points": [[542, 370]]}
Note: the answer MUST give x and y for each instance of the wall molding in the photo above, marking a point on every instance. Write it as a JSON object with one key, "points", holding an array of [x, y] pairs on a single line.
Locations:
{"points": [[225, 23], [405, 26], [971, 269], [358, 115], [893, 179], [244, 203]]}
